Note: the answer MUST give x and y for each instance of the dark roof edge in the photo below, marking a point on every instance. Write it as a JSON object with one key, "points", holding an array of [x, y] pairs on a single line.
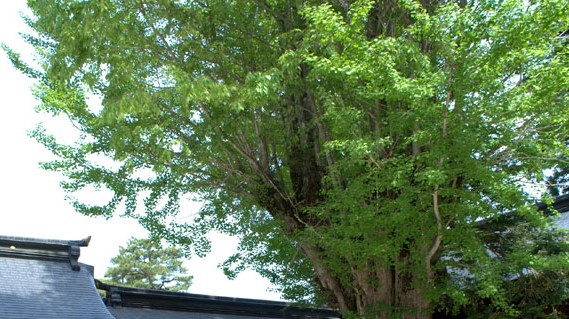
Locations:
{"points": [[168, 300], [44, 249], [43, 243], [155, 292], [560, 203]]}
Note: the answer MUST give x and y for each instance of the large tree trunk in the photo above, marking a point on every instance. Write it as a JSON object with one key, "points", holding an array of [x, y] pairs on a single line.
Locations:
{"points": [[378, 290]]}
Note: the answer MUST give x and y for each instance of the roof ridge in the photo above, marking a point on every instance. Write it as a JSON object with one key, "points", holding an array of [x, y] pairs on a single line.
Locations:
{"points": [[43, 249], [43, 242]]}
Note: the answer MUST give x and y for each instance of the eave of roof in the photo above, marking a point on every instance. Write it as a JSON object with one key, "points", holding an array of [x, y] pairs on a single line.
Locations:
{"points": [[43, 243], [167, 300], [560, 204], [43, 249]]}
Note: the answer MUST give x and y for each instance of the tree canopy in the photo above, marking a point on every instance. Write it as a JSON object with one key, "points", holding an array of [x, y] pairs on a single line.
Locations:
{"points": [[144, 263], [351, 145]]}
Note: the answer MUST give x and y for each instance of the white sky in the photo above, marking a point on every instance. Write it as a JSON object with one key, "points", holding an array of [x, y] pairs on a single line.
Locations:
{"points": [[33, 205]]}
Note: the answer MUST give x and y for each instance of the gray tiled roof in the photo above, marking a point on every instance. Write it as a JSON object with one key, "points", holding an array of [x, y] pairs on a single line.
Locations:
{"points": [[563, 220], [37, 282]]}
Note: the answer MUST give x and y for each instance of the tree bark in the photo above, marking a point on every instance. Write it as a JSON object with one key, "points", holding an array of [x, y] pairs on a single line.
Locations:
{"points": [[379, 290]]}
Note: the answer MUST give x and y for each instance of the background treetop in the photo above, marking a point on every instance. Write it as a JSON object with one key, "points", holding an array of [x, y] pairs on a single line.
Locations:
{"points": [[145, 263]]}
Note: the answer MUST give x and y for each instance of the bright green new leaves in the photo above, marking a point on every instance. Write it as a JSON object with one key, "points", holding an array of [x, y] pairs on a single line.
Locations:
{"points": [[144, 263], [352, 146]]}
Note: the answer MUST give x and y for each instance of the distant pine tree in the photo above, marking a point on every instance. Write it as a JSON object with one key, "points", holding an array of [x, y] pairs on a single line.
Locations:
{"points": [[145, 263]]}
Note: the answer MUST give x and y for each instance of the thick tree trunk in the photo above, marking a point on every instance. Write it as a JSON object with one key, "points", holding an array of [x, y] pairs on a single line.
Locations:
{"points": [[396, 297], [375, 292], [378, 291]]}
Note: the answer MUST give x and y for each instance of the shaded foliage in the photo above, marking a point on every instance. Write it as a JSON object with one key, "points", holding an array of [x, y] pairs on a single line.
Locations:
{"points": [[535, 289]]}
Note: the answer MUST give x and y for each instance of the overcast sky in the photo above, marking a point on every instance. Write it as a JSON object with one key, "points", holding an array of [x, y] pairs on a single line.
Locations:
{"points": [[33, 205]]}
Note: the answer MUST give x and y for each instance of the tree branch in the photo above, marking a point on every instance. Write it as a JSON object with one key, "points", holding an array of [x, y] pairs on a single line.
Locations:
{"points": [[438, 238]]}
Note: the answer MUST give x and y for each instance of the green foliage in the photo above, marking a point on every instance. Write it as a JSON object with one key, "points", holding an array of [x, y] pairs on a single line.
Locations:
{"points": [[144, 263], [534, 288], [350, 145]]}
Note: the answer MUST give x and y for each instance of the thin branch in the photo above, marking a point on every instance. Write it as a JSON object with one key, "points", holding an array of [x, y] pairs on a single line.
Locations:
{"points": [[169, 49]]}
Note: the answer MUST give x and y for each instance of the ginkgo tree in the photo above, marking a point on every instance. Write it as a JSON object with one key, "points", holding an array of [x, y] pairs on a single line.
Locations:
{"points": [[351, 145]]}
